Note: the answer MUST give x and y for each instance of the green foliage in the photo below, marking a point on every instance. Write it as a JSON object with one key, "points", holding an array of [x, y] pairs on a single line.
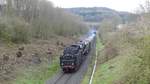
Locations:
{"points": [[109, 72], [139, 65]]}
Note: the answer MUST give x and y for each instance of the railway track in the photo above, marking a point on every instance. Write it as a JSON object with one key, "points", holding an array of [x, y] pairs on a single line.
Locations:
{"points": [[63, 79], [70, 78], [59, 78]]}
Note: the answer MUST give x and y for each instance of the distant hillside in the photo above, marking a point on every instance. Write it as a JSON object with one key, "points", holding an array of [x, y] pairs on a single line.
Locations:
{"points": [[97, 14]]}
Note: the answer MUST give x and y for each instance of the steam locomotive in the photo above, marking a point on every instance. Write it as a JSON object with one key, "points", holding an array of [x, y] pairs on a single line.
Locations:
{"points": [[75, 54]]}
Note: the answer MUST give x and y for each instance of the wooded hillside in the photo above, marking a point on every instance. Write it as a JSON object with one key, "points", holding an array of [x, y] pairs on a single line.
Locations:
{"points": [[98, 14], [22, 20]]}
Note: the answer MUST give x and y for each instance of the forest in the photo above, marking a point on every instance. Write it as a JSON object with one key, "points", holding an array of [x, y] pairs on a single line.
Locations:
{"points": [[23, 20]]}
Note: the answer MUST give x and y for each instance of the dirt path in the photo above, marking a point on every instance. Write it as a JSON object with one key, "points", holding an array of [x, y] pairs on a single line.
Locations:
{"points": [[72, 78]]}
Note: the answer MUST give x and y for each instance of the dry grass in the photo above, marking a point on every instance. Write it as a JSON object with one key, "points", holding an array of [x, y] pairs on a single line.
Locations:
{"points": [[35, 53]]}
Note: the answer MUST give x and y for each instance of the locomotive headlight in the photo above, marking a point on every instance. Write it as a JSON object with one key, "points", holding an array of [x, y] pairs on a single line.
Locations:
{"points": [[62, 64], [72, 63]]}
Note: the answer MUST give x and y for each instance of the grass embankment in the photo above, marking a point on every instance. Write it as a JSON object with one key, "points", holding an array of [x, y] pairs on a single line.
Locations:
{"points": [[99, 46], [109, 69], [109, 72], [131, 66], [38, 75]]}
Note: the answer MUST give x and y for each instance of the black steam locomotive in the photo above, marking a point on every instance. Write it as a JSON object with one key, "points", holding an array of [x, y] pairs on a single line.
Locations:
{"points": [[75, 54]]}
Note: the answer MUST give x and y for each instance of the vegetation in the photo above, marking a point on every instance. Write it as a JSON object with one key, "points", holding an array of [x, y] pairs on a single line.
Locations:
{"points": [[14, 30], [32, 36], [22, 20], [38, 27], [38, 75], [129, 61]]}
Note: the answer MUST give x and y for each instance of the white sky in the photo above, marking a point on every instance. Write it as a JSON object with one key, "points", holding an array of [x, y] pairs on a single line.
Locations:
{"points": [[120, 5]]}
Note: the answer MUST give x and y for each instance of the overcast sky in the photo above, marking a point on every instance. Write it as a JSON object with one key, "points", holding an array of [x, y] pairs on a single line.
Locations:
{"points": [[120, 5]]}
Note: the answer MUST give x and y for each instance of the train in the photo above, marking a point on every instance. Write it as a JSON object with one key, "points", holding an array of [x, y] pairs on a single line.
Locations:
{"points": [[75, 54]]}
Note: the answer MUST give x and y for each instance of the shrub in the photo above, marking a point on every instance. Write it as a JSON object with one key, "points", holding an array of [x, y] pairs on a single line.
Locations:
{"points": [[14, 30], [4, 35]]}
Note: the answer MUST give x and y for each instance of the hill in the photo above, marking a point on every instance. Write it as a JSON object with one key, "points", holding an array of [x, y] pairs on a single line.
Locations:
{"points": [[98, 14]]}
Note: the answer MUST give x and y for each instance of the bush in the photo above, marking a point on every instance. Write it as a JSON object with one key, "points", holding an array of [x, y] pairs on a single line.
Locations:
{"points": [[137, 67], [4, 34], [14, 30]]}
